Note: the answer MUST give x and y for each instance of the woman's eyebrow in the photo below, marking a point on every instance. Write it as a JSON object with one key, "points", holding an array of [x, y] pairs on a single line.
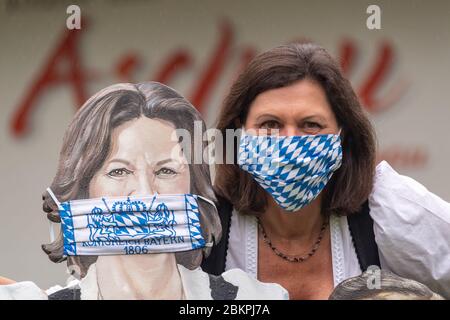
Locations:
{"points": [[272, 116], [161, 162], [314, 117], [125, 162], [267, 115]]}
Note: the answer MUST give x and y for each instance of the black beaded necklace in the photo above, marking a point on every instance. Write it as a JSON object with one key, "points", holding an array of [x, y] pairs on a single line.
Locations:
{"points": [[294, 258]]}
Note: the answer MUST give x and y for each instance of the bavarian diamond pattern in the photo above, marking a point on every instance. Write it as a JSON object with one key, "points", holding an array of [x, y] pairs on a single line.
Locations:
{"points": [[133, 219], [293, 169], [195, 230], [70, 248]]}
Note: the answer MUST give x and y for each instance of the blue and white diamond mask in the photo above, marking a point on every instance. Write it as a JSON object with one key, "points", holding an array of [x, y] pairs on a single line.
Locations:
{"points": [[293, 169], [131, 225]]}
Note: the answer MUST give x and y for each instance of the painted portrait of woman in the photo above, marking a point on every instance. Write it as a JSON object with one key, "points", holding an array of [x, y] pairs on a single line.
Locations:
{"points": [[121, 144]]}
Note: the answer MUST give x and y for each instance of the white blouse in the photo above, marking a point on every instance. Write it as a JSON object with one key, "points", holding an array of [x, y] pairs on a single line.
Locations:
{"points": [[411, 226]]}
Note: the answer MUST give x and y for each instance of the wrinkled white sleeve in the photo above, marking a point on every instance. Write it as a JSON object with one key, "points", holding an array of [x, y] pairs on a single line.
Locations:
{"points": [[25, 290], [412, 229]]}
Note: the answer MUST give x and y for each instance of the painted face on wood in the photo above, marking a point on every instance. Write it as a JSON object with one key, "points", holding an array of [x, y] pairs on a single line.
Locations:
{"points": [[145, 158]]}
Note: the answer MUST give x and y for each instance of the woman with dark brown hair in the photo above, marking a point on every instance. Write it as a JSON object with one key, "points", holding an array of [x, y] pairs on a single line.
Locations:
{"points": [[304, 203]]}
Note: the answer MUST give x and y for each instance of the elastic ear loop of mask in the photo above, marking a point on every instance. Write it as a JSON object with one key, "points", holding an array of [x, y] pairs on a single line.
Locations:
{"points": [[209, 244], [51, 223]]}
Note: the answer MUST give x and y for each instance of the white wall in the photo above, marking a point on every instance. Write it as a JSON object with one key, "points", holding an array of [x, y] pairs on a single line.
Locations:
{"points": [[418, 30]]}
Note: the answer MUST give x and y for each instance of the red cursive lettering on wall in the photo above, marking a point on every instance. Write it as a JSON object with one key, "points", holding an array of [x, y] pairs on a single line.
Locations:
{"points": [[127, 66], [375, 78], [177, 61], [411, 157], [181, 59], [66, 51], [215, 66], [347, 54]]}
